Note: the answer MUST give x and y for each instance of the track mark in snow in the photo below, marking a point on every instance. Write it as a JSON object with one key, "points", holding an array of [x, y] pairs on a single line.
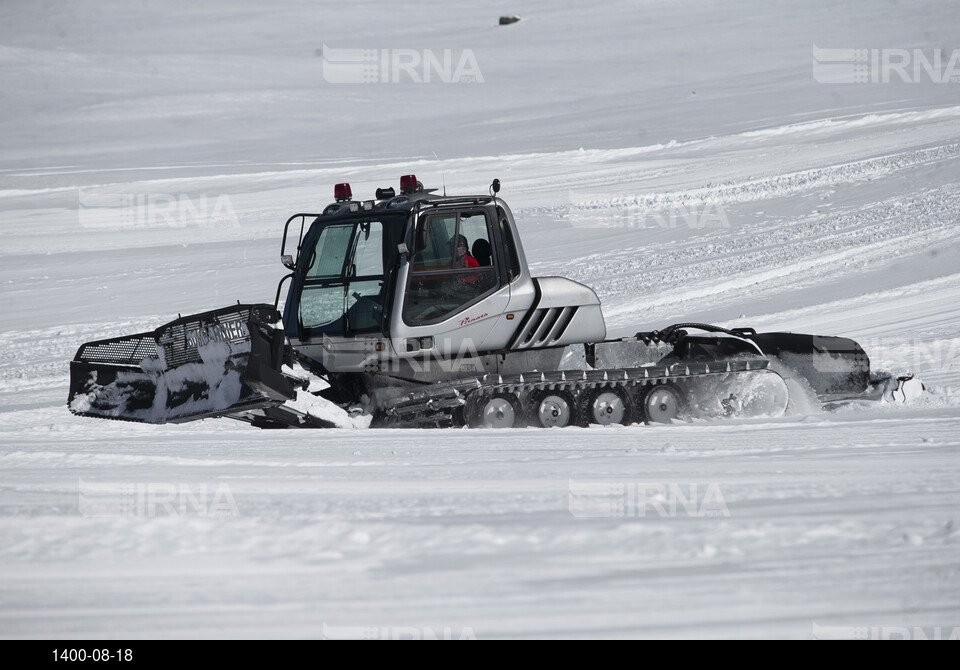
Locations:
{"points": [[633, 208]]}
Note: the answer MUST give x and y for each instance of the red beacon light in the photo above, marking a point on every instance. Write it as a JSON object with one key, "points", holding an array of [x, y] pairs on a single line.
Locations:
{"points": [[408, 183], [342, 192]]}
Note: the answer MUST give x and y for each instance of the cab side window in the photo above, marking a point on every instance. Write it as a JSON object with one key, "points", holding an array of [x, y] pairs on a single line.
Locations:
{"points": [[445, 275], [473, 226], [432, 247]]}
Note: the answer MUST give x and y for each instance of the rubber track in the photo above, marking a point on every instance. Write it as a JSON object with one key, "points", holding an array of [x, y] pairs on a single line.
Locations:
{"points": [[437, 404]]}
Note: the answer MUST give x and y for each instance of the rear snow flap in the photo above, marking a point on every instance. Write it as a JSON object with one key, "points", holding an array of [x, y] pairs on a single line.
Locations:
{"points": [[212, 364], [832, 365]]}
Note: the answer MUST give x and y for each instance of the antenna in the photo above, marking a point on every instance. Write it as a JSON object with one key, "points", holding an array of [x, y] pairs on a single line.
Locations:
{"points": [[442, 177]]}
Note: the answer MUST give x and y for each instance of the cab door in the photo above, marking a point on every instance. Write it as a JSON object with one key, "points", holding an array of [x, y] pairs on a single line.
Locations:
{"points": [[452, 293]]}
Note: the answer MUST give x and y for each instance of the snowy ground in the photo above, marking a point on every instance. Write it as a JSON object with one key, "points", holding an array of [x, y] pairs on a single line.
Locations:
{"points": [[797, 205]]}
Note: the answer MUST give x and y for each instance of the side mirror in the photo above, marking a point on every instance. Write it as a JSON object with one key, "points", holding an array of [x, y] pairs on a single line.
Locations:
{"points": [[287, 261], [495, 186]]}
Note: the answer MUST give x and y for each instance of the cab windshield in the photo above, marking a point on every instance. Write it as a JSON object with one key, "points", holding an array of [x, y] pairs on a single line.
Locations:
{"points": [[342, 274]]}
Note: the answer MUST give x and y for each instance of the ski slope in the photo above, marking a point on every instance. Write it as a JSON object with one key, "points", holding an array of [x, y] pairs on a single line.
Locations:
{"points": [[679, 157]]}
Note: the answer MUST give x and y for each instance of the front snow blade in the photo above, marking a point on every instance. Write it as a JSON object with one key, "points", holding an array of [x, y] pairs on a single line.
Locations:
{"points": [[221, 362]]}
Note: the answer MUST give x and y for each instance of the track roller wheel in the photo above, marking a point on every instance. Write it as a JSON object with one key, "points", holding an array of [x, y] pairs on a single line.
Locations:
{"points": [[660, 404], [551, 408], [605, 406], [501, 410]]}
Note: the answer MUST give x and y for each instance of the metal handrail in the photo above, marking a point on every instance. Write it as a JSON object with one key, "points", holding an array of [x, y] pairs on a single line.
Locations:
{"points": [[283, 246]]}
